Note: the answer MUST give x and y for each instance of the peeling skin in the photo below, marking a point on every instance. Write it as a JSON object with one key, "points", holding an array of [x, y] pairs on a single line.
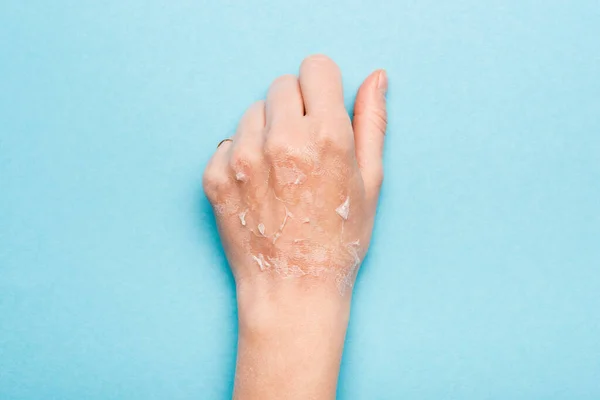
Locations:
{"points": [[287, 214], [219, 209], [283, 268], [280, 200], [306, 257], [290, 175], [240, 176], [346, 280], [262, 263], [356, 243], [295, 271], [276, 236], [242, 216], [227, 207], [301, 243], [344, 209], [259, 262]]}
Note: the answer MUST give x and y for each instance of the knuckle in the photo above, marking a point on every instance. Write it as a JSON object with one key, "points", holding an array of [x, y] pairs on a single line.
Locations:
{"points": [[331, 146], [325, 142], [215, 184], [276, 146], [333, 135], [244, 159]]}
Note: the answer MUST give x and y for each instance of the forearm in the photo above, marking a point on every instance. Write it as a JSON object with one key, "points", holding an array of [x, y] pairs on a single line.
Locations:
{"points": [[289, 345]]}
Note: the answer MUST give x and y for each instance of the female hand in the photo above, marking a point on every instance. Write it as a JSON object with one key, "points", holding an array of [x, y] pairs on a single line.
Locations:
{"points": [[295, 193]]}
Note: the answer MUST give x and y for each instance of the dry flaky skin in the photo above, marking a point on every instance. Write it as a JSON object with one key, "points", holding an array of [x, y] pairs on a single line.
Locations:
{"points": [[296, 189], [294, 211], [295, 193]]}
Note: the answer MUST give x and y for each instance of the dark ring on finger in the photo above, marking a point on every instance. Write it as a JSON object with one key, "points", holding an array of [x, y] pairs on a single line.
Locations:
{"points": [[223, 141]]}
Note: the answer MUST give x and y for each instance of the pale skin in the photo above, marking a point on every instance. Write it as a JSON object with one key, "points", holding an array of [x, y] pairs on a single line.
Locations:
{"points": [[295, 193]]}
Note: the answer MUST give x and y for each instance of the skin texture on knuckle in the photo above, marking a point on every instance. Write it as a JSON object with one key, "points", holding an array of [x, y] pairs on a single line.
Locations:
{"points": [[330, 139], [276, 145], [331, 148], [216, 184], [288, 171], [243, 162]]}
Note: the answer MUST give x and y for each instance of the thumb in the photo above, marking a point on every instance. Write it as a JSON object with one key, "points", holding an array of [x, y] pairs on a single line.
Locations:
{"points": [[370, 123]]}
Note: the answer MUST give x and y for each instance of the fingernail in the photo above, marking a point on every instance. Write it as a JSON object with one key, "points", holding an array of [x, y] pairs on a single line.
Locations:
{"points": [[382, 82]]}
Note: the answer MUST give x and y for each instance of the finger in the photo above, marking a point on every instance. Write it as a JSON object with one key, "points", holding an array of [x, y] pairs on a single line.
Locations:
{"points": [[246, 151], [321, 85], [370, 123], [284, 99], [216, 175], [219, 159], [253, 120]]}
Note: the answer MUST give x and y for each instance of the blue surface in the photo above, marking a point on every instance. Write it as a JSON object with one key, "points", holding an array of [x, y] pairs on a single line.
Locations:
{"points": [[483, 281]]}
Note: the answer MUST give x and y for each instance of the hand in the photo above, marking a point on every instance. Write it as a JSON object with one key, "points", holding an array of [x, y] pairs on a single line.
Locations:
{"points": [[295, 193]]}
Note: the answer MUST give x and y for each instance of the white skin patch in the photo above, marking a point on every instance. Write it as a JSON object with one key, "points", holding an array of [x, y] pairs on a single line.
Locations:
{"points": [[262, 263], [288, 214], [227, 207], [290, 176], [346, 280], [240, 176], [344, 209], [242, 216], [261, 229], [219, 209], [276, 236], [259, 262]]}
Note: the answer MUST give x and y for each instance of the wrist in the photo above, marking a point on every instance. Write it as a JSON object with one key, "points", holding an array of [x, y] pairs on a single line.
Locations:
{"points": [[291, 339], [272, 304]]}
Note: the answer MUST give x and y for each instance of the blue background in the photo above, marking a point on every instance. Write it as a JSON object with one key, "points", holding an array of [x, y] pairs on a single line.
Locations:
{"points": [[483, 280]]}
